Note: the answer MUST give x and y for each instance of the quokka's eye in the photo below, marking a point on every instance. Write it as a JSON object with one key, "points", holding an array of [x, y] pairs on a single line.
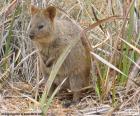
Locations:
{"points": [[40, 26]]}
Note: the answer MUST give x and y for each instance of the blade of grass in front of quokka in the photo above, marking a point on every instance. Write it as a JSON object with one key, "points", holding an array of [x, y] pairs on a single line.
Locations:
{"points": [[46, 107], [126, 63], [55, 69]]}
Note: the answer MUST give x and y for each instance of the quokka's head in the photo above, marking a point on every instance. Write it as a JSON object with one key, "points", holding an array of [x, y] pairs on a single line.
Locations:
{"points": [[42, 24]]}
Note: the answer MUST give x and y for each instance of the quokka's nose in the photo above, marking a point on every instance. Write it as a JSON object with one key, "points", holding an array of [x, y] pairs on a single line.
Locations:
{"points": [[31, 35]]}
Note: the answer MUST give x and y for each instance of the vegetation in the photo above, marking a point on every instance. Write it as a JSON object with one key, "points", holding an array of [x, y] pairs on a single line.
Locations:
{"points": [[115, 50]]}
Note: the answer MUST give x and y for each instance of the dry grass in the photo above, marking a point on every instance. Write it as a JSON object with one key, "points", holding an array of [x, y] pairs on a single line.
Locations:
{"points": [[115, 47]]}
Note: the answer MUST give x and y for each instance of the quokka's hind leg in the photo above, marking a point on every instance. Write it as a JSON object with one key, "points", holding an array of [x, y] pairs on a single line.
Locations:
{"points": [[77, 82]]}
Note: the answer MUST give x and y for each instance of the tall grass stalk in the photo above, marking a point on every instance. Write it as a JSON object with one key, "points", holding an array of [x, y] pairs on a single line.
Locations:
{"points": [[126, 63]]}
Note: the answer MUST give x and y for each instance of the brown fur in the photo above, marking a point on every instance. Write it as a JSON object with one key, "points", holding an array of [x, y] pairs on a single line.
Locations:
{"points": [[51, 40]]}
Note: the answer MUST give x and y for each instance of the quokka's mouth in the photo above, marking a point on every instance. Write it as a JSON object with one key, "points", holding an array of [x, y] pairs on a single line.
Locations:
{"points": [[31, 36]]}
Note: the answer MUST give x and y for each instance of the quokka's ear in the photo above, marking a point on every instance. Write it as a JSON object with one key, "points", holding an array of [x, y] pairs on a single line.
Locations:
{"points": [[50, 12], [33, 10]]}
